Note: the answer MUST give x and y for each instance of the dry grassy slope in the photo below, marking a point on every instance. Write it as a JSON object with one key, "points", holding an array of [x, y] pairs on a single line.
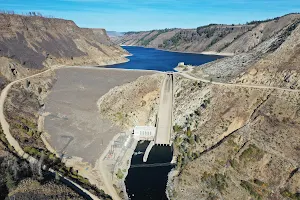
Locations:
{"points": [[272, 62], [38, 42], [217, 38], [22, 107], [102, 36], [280, 68], [244, 142], [28, 188], [133, 104]]}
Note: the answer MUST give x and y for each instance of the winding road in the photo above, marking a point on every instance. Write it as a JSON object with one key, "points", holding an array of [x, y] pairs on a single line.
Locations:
{"points": [[189, 76], [15, 144], [165, 117], [5, 126]]}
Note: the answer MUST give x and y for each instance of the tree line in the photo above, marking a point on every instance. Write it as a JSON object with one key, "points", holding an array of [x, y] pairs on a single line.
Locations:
{"points": [[30, 14]]}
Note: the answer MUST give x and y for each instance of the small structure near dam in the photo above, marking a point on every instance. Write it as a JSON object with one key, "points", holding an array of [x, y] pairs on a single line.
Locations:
{"points": [[161, 134], [146, 133]]}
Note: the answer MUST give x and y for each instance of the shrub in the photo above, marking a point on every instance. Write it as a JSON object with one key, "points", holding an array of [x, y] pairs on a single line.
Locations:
{"points": [[32, 151], [251, 189], [252, 154], [120, 174], [197, 112], [234, 164], [206, 102], [288, 194], [178, 140], [180, 161], [189, 132], [10, 182], [177, 128], [215, 181], [83, 180], [259, 182]]}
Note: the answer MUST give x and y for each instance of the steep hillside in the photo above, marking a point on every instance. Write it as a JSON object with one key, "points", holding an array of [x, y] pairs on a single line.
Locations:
{"points": [[236, 120], [28, 45], [214, 38], [31, 43], [15, 181], [237, 136]]}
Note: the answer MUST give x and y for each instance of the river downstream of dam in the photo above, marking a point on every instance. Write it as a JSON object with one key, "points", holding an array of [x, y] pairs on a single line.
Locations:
{"points": [[149, 183]]}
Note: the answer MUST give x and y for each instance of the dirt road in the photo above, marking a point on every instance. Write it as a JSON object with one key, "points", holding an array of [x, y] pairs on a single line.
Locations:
{"points": [[15, 144], [105, 173], [4, 123], [189, 76]]}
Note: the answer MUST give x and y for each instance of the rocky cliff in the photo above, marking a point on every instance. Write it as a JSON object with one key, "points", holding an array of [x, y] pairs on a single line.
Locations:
{"points": [[214, 38], [31, 43]]}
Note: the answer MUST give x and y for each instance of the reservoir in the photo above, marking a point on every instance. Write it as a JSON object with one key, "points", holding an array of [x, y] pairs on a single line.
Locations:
{"points": [[149, 183], [154, 59]]}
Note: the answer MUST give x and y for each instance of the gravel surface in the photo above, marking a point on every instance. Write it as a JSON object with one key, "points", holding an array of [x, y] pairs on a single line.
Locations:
{"points": [[74, 121]]}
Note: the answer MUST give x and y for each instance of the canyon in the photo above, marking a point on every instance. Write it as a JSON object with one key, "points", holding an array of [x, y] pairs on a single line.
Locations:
{"points": [[235, 119]]}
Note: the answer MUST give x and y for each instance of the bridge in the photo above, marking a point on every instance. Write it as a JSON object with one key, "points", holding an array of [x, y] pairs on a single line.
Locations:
{"points": [[165, 117], [152, 165]]}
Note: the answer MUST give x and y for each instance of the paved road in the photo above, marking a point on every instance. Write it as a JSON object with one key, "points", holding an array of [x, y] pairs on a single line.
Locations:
{"points": [[189, 76], [164, 125]]}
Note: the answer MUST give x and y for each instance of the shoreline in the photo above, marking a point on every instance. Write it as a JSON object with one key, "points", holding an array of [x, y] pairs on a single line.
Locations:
{"points": [[111, 69], [212, 53], [217, 53]]}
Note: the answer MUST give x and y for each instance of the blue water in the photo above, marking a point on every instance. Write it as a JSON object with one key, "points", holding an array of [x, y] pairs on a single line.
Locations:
{"points": [[153, 59]]}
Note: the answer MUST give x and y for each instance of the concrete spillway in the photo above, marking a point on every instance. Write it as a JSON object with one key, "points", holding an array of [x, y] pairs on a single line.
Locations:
{"points": [[145, 158], [164, 118]]}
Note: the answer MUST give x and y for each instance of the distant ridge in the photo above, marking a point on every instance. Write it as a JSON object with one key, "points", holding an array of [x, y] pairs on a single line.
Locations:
{"points": [[212, 38]]}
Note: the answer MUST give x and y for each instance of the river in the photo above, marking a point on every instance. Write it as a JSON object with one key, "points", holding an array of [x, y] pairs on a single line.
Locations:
{"points": [[149, 183], [154, 59]]}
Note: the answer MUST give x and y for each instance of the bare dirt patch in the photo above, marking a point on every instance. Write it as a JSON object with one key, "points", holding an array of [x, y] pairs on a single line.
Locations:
{"points": [[74, 122]]}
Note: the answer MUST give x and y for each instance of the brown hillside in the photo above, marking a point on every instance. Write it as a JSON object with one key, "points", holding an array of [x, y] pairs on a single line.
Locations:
{"points": [[217, 38], [36, 42]]}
